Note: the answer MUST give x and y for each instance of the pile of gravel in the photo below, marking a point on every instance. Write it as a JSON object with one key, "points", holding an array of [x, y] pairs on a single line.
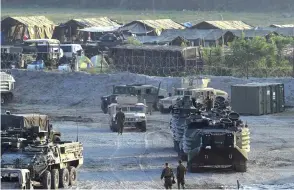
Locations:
{"points": [[84, 90]]}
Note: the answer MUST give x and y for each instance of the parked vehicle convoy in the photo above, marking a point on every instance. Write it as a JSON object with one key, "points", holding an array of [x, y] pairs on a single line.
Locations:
{"points": [[149, 93], [32, 154]]}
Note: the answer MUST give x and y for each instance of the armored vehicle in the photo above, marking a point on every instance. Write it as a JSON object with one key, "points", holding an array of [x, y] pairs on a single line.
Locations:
{"points": [[135, 113], [209, 143], [180, 111], [31, 148], [7, 86], [50, 165], [29, 126], [195, 88], [150, 93]]}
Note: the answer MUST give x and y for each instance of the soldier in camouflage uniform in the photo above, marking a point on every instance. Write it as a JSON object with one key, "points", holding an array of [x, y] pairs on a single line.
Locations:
{"points": [[181, 172], [167, 174], [120, 119]]}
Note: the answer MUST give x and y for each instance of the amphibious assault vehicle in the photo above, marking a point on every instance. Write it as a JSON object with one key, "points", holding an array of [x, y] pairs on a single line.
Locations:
{"points": [[31, 156], [209, 143], [209, 138]]}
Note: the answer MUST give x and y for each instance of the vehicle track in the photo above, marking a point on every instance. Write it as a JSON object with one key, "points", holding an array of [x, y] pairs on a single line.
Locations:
{"points": [[145, 153], [113, 170]]}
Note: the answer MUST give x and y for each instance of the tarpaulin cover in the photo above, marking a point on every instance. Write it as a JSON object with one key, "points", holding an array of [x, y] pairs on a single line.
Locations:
{"points": [[24, 121]]}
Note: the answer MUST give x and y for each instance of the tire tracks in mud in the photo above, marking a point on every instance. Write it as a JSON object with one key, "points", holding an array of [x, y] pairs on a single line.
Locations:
{"points": [[140, 157], [113, 170], [145, 153]]}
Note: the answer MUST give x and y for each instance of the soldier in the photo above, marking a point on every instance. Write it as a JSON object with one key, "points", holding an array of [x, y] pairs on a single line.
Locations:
{"points": [[167, 174], [208, 102], [181, 172], [120, 119]]}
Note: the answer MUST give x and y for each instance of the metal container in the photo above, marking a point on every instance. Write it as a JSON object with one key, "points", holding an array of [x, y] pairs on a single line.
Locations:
{"points": [[258, 98]]}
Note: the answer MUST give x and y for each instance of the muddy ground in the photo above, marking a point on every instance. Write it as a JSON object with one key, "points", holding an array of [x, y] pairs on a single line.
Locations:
{"points": [[135, 159]]}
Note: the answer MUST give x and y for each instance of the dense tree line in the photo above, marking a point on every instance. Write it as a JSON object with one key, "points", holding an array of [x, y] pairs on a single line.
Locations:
{"points": [[207, 5], [258, 57]]}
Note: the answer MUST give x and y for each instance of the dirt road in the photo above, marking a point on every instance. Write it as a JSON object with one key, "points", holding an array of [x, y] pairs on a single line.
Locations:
{"points": [[135, 159]]}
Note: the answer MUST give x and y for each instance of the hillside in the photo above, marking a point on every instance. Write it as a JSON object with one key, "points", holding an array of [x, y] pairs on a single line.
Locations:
{"points": [[204, 5]]}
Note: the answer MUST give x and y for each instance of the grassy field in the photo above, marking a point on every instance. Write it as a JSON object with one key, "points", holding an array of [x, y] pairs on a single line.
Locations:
{"points": [[59, 15]]}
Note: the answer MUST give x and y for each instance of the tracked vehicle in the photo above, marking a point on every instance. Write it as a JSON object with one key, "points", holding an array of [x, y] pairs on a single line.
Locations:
{"points": [[180, 111], [32, 157], [216, 143]]}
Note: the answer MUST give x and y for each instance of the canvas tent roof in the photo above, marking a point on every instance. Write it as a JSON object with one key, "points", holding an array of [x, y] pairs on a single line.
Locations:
{"points": [[94, 22], [224, 25], [151, 25], [29, 21], [36, 26]]}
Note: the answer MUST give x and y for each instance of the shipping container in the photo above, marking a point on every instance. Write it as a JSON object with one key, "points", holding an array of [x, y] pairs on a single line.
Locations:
{"points": [[258, 98]]}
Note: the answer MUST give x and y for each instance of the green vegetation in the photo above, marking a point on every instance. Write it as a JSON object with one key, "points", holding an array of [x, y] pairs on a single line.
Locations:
{"points": [[252, 57], [60, 15]]}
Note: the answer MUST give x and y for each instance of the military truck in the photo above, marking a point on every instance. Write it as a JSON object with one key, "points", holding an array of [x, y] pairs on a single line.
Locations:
{"points": [[149, 93], [28, 143], [193, 87], [135, 113], [29, 126], [50, 165], [7, 87], [216, 143]]}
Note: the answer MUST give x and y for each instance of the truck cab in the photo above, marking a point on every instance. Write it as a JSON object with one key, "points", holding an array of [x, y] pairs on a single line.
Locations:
{"points": [[15, 179]]}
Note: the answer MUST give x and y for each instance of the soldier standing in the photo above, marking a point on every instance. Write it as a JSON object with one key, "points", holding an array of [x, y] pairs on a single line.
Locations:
{"points": [[181, 172], [167, 174], [208, 103], [120, 119]]}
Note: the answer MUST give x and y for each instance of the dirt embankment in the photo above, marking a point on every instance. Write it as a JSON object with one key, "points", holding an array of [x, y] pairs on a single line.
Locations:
{"points": [[85, 90]]}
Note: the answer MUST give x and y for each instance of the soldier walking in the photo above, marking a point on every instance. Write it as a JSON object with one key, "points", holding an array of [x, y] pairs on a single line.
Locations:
{"points": [[168, 175], [181, 172], [120, 119]]}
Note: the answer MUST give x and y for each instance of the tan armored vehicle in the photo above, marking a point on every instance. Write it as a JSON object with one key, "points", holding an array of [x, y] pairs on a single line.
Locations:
{"points": [[31, 148]]}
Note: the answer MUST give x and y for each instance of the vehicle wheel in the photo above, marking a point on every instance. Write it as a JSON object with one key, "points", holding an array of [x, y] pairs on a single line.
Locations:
{"points": [[55, 179], [143, 126], [72, 176], [46, 180], [56, 139], [241, 166], [64, 178], [3, 100]]}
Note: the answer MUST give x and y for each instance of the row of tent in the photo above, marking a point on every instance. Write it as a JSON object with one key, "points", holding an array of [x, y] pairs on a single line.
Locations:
{"points": [[160, 30]]}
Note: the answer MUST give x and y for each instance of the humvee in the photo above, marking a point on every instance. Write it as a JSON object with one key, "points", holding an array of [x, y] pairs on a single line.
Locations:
{"points": [[135, 113]]}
